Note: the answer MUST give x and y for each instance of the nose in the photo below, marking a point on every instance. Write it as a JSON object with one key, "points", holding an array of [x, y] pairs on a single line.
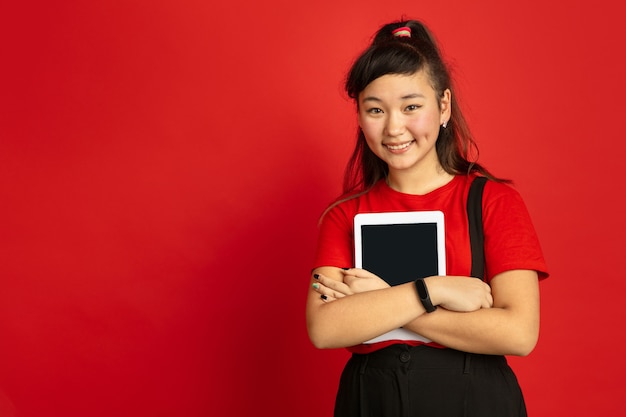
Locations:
{"points": [[395, 124]]}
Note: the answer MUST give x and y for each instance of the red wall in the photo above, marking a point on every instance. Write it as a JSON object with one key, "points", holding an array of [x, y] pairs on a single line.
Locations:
{"points": [[163, 165]]}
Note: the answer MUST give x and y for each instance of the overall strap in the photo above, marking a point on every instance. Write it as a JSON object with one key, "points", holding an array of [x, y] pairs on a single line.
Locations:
{"points": [[475, 219]]}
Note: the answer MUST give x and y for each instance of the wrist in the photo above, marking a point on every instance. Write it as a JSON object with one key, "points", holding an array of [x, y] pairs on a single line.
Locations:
{"points": [[424, 295], [433, 284]]}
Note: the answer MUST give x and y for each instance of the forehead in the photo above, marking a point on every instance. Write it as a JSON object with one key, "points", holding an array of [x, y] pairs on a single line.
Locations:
{"points": [[398, 87]]}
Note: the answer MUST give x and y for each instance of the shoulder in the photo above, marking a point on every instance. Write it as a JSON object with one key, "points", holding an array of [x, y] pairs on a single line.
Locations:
{"points": [[500, 193], [493, 192], [497, 188], [350, 204], [503, 205]]}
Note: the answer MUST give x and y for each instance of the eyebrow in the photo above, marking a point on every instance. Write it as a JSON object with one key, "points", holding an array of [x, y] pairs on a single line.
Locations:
{"points": [[407, 97]]}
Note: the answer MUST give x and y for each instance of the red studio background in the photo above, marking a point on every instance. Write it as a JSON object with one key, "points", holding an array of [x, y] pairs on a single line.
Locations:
{"points": [[163, 166]]}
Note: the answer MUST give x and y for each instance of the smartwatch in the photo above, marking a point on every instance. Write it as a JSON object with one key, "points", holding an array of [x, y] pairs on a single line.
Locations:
{"points": [[422, 292]]}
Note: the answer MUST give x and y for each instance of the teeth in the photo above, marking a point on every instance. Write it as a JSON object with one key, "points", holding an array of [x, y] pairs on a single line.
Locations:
{"points": [[399, 147]]}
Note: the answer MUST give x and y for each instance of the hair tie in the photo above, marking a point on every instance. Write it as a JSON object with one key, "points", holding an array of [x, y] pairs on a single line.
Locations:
{"points": [[403, 32]]}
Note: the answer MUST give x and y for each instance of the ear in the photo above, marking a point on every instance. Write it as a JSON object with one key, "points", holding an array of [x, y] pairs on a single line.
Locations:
{"points": [[446, 106]]}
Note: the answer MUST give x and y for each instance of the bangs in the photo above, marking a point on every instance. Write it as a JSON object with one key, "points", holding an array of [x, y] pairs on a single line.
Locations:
{"points": [[383, 59]]}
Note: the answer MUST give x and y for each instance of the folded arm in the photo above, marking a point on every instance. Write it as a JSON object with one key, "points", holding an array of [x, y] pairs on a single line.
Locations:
{"points": [[353, 318], [510, 327], [359, 306]]}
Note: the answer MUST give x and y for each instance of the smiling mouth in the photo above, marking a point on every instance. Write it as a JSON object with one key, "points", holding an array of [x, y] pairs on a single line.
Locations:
{"points": [[399, 147]]}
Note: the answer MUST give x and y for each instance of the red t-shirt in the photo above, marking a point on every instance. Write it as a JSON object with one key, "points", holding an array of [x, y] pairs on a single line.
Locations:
{"points": [[510, 238]]}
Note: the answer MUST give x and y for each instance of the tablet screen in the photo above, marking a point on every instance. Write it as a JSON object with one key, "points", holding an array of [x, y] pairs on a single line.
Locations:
{"points": [[400, 253]]}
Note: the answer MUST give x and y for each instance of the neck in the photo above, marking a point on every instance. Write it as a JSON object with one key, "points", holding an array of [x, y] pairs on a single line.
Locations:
{"points": [[420, 181]]}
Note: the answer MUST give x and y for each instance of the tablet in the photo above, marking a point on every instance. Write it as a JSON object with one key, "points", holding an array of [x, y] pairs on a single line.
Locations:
{"points": [[400, 247]]}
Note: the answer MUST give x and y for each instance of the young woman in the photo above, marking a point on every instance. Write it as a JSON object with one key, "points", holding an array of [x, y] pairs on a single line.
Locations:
{"points": [[414, 153]]}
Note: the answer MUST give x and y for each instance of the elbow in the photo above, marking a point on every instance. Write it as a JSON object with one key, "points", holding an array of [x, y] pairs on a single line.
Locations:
{"points": [[320, 343], [522, 350], [315, 337], [318, 338], [322, 332], [522, 335], [524, 344]]}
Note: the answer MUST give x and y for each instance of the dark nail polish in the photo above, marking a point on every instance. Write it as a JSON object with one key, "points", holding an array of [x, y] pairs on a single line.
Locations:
{"points": [[345, 269], [323, 297], [316, 276]]}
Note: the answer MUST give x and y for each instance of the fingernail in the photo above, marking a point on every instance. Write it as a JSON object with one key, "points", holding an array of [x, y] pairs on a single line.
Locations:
{"points": [[345, 269], [316, 285], [316, 276], [323, 297]]}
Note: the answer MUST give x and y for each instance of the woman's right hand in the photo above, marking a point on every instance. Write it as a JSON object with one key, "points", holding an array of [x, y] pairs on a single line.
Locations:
{"points": [[354, 281], [361, 280], [456, 293]]}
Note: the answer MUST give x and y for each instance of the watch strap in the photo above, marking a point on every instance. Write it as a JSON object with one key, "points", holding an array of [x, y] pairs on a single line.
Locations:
{"points": [[422, 293]]}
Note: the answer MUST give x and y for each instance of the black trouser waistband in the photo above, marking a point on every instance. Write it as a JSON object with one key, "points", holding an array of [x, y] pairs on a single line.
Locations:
{"points": [[426, 357]]}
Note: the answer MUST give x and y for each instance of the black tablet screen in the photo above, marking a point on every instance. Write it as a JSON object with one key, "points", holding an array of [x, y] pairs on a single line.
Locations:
{"points": [[400, 253]]}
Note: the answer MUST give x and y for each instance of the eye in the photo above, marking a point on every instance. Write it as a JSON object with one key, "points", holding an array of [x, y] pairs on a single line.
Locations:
{"points": [[412, 107], [374, 110]]}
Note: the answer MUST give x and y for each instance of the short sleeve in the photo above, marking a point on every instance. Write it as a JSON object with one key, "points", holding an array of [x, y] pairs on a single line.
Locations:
{"points": [[511, 241], [335, 240]]}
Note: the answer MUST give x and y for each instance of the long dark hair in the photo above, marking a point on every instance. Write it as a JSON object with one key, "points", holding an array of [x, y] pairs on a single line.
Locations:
{"points": [[407, 55]]}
